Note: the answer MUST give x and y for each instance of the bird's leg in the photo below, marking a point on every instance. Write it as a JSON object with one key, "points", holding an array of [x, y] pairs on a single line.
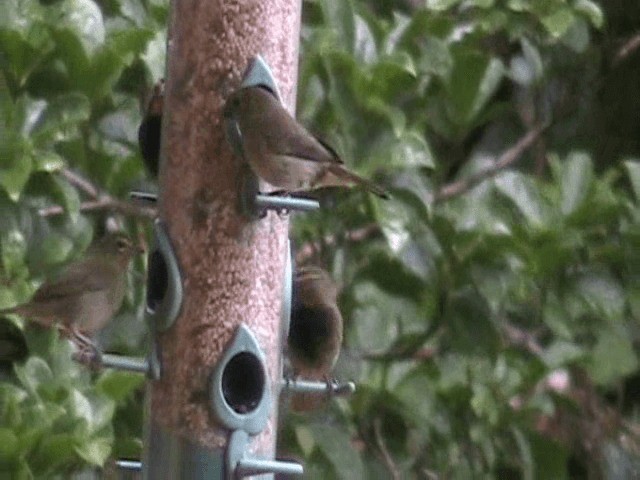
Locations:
{"points": [[89, 352], [290, 375], [331, 387]]}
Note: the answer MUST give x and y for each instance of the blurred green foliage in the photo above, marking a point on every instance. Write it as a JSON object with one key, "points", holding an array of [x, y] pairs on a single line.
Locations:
{"points": [[72, 74], [493, 332]]}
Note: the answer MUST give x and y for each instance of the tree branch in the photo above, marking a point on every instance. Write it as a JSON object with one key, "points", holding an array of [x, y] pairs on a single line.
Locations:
{"points": [[508, 158], [519, 337], [628, 47], [386, 456], [421, 355], [307, 250], [100, 200], [81, 183], [106, 203]]}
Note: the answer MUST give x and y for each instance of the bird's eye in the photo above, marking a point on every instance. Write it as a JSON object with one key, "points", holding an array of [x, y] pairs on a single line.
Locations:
{"points": [[122, 244]]}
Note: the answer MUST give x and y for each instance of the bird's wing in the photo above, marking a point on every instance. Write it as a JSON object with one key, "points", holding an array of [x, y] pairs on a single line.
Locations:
{"points": [[302, 144], [285, 136], [84, 276]]}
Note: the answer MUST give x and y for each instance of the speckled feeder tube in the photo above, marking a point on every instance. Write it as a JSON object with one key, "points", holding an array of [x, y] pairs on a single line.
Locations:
{"points": [[231, 266]]}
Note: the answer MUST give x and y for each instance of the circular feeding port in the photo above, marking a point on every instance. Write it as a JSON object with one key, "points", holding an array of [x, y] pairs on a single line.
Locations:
{"points": [[243, 382]]}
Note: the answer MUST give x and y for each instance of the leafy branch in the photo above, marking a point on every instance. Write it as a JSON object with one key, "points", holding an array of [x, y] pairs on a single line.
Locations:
{"points": [[99, 200], [508, 158]]}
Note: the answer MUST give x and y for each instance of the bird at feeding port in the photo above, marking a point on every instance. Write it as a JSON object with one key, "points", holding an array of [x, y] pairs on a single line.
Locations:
{"points": [[281, 151], [86, 294], [315, 330], [150, 129]]}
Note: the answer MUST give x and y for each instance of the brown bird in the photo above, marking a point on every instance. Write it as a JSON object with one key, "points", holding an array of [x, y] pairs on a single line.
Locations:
{"points": [[281, 151], [88, 292], [315, 330]]}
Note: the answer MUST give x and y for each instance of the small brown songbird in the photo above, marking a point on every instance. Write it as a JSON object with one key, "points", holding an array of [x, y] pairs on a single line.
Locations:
{"points": [[150, 129], [281, 151], [88, 292], [315, 330]]}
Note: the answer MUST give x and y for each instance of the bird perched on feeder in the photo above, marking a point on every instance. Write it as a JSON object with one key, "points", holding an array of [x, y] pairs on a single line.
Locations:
{"points": [[87, 293], [281, 151], [150, 129], [315, 328]]}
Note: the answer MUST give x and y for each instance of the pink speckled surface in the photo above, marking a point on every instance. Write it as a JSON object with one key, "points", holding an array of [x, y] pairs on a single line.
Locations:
{"points": [[232, 269]]}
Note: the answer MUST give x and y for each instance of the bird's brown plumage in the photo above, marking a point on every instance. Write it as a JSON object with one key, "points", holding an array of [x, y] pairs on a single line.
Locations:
{"points": [[315, 330], [282, 152], [88, 292]]}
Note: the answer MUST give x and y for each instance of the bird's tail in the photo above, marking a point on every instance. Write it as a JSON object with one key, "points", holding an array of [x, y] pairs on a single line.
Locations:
{"points": [[343, 173]]}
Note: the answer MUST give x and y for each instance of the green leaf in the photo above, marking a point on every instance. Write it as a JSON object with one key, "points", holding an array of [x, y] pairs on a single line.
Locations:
{"points": [[24, 40], [95, 452], [560, 354], [613, 357], [441, 5], [68, 196], [482, 3], [83, 19], [108, 63], [550, 457], [390, 275], [54, 250], [437, 59], [365, 45], [336, 445], [603, 293], [62, 118], [304, 437], [102, 409], [527, 69], [33, 374], [559, 22], [577, 175], [578, 36], [473, 81], [13, 249], [398, 223], [412, 150], [53, 452], [8, 445], [415, 391], [391, 114], [16, 165], [342, 16], [154, 56], [524, 194], [14, 13], [80, 406], [556, 317], [134, 11], [591, 10], [377, 316], [47, 161], [119, 385], [633, 170], [526, 455]]}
